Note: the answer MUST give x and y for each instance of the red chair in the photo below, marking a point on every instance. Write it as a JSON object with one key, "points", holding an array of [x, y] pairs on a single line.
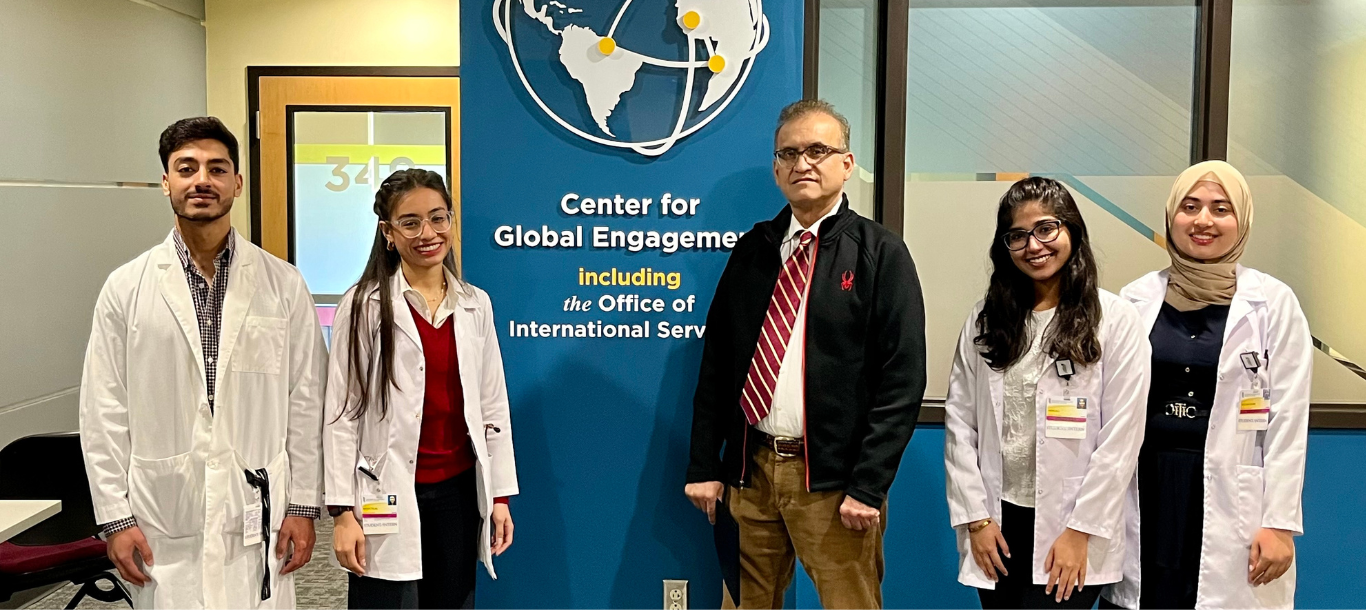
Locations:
{"points": [[62, 548]]}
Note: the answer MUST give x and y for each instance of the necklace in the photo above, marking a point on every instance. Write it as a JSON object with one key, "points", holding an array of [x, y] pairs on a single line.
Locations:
{"points": [[440, 297]]}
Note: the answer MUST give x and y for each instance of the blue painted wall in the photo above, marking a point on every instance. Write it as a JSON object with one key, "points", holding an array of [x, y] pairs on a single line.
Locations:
{"points": [[601, 426]]}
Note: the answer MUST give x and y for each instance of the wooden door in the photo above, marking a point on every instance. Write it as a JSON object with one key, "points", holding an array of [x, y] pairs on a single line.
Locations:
{"points": [[325, 139]]}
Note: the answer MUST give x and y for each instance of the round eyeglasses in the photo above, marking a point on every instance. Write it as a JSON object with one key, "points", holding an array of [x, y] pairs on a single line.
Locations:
{"points": [[1046, 232], [411, 226]]}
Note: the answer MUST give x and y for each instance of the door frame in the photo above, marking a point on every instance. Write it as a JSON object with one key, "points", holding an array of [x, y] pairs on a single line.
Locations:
{"points": [[254, 76]]}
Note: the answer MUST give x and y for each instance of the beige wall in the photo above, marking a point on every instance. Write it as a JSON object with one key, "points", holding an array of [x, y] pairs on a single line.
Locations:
{"points": [[85, 89], [245, 33]]}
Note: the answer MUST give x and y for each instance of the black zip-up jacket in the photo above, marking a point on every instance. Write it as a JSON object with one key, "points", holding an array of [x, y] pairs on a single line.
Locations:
{"points": [[865, 357]]}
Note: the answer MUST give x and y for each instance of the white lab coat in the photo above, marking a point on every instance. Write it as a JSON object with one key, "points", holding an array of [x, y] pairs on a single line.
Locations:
{"points": [[1252, 479], [154, 451], [389, 445], [1079, 483]]}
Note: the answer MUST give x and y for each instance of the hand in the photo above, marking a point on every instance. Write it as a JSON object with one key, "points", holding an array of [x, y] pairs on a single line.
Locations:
{"points": [[985, 543], [1066, 564], [502, 528], [120, 548], [705, 496], [299, 532], [348, 542], [856, 515], [1272, 552]]}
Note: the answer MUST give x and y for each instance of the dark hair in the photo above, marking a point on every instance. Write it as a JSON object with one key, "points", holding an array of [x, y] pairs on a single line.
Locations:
{"points": [[1010, 297], [184, 131], [801, 108], [383, 264]]}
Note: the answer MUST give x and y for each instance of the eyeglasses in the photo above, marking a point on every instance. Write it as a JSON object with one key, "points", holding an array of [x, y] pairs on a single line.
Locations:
{"points": [[411, 227], [1046, 232], [814, 154]]}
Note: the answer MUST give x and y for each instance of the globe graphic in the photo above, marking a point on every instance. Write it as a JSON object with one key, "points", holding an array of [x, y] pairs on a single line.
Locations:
{"points": [[632, 74]]}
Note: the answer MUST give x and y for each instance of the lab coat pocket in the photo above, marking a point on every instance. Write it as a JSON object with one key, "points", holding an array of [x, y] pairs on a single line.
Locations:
{"points": [[365, 484], [167, 495], [1071, 488], [241, 493], [492, 436], [1250, 492], [261, 346]]}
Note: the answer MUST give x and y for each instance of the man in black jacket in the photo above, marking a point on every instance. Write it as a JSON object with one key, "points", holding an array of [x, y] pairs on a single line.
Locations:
{"points": [[812, 376]]}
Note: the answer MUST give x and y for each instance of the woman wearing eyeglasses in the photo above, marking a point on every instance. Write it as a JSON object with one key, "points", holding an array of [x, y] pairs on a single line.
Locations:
{"points": [[1044, 416], [417, 440]]}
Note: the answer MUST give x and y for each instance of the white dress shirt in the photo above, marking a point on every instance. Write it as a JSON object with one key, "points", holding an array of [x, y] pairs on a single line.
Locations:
{"points": [[419, 302], [787, 416]]}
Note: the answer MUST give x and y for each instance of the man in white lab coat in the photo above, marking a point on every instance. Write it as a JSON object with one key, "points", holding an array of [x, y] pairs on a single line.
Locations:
{"points": [[201, 400]]}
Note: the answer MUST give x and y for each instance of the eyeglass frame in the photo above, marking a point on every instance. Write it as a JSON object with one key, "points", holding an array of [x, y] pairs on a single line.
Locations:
{"points": [[802, 153], [1005, 237], [425, 221]]}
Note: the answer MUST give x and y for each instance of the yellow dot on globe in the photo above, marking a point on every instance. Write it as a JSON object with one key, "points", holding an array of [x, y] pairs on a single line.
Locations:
{"points": [[716, 63], [606, 45], [691, 20]]}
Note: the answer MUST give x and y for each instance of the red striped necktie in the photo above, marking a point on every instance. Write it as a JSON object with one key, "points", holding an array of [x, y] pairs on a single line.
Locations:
{"points": [[757, 398]]}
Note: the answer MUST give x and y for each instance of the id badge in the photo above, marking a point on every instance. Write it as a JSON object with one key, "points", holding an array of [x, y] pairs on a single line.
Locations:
{"points": [[379, 514], [1066, 418], [1254, 410], [251, 524]]}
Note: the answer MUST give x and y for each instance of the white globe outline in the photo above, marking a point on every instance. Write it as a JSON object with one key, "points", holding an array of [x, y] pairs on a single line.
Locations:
{"points": [[502, 22]]}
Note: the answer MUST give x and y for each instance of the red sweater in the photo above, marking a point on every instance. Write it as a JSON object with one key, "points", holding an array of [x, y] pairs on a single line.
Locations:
{"points": [[443, 449]]}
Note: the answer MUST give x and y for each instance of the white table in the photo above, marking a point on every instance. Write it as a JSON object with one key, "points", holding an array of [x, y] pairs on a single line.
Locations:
{"points": [[19, 515]]}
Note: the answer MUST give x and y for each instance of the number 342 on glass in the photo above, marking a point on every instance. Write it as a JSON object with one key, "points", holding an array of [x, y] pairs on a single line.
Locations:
{"points": [[341, 180]]}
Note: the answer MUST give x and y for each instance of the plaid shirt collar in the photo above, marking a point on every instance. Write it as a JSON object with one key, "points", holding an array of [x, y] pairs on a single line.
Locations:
{"points": [[222, 261]]}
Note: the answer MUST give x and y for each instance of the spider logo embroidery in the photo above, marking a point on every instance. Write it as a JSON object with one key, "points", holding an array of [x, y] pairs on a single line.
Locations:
{"points": [[847, 281]]}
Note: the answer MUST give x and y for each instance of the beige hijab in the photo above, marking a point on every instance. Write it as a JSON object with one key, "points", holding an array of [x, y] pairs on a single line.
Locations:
{"points": [[1195, 284]]}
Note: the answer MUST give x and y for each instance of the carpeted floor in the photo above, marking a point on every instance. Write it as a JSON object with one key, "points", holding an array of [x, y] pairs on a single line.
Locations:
{"points": [[317, 585]]}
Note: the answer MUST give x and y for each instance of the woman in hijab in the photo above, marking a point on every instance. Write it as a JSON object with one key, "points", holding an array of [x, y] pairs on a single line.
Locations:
{"points": [[1221, 469]]}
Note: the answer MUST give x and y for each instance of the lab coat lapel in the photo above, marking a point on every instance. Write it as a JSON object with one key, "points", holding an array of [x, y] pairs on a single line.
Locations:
{"points": [[403, 318], [1249, 294], [175, 290], [468, 360], [1149, 296], [237, 301]]}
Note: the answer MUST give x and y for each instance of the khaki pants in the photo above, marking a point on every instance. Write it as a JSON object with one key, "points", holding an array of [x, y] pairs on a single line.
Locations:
{"points": [[780, 522]]}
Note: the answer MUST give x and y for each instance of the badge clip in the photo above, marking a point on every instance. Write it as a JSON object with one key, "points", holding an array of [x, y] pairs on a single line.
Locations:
{"points": [[1252, 362], [1064, 368]]}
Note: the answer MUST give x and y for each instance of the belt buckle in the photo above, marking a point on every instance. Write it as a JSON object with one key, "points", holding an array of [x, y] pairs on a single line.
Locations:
{"points": [[778, 442]]}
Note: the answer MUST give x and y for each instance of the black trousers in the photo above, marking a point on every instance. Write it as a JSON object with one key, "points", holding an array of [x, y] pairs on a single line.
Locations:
{"points": [[449, 512], [1018, 589]]}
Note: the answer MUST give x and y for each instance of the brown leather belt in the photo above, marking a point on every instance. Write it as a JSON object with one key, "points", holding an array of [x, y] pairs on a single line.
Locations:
{"points": [[784, 446]]}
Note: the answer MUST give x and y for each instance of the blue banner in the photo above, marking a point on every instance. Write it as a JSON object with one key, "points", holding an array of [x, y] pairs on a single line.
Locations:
{"points": [[611, 154]]}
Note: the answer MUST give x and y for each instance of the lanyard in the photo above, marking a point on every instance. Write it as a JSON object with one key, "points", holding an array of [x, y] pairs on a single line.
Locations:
{"points": [[261, 480]]}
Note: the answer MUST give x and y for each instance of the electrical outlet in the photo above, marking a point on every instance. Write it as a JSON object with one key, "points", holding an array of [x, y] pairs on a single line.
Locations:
{"points": [[675, 595]]}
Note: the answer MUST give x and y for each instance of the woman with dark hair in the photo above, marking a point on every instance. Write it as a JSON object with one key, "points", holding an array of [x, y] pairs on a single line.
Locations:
{"points": [[1221, 470], [417, 440], [1044, 415]]}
